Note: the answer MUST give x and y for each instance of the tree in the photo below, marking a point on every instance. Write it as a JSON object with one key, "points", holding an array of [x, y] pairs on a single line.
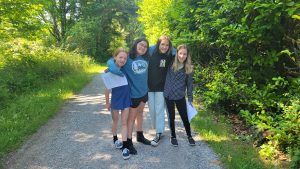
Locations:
{"points": [[103, 24], [154, 18], [18, 18], [60, 15]]}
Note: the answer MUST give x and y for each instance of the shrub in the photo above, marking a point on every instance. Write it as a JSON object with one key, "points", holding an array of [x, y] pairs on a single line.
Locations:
{"points": [[26, 66]]}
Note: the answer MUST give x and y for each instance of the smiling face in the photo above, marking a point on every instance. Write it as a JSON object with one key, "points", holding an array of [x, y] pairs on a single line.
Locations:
{"points": [[182, 55], [141, 48], [164, 46], [120, 59]]}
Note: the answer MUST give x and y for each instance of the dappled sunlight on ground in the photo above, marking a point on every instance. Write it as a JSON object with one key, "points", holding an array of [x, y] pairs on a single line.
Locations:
{"points": [[101, 156], [80, 137], [86, 99], [83, 137]]}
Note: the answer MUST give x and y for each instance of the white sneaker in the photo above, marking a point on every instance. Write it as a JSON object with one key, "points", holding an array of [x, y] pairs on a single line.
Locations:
{"points": [[156, 140], [118, 144]]}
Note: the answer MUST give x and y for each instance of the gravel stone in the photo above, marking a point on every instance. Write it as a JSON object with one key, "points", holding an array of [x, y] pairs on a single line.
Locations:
{"points": [[79, 137]]}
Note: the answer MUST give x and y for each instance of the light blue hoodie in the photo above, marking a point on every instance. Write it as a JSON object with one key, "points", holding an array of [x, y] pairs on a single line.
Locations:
{"points": [[136, 71]]}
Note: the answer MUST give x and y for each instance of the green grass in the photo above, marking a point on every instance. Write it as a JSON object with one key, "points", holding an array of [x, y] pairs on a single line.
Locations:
{"points": [[26, 114], [215, 129]]}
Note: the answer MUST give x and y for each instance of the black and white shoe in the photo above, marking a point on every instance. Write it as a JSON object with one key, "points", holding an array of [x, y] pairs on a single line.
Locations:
{"points": [[156, 140], [174, 141], [191, 141]]}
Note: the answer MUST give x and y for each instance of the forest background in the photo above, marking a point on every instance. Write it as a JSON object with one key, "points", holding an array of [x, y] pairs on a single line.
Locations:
{"points": [[246, 55]]}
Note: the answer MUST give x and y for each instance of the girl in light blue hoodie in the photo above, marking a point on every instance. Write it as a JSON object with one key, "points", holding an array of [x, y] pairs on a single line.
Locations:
{"points": [[136, 71]]}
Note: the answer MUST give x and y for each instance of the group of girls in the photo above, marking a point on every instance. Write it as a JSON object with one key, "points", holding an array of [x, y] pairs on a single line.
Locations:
{"points": [[158, 74]]}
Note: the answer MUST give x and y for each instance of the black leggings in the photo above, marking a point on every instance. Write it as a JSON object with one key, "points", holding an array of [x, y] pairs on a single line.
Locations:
{"points": [[181, 107]]}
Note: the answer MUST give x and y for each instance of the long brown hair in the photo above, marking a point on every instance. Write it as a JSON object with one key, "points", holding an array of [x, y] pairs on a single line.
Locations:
{"points": [[187, 63], [163, 37], [133, 52]]}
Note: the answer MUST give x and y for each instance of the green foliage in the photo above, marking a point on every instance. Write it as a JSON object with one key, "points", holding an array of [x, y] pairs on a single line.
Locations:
{"points": [[154, 17], [19, 18], [81, 37], [248, 53], [100, 28], [216, 130], [283, 129], [29, 111], [26, 66]]}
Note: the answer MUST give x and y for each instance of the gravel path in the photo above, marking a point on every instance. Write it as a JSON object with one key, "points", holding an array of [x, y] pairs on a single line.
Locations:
{"points": [[79, 136]]}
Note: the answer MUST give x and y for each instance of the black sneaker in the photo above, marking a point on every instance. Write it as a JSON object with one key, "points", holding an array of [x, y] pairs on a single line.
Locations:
{"points": [[132, 150], [174, 142], [191, 141], [155, 141]]}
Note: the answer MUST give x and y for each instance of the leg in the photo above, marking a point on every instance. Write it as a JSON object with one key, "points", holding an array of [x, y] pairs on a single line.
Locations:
{"points": [[181, 107], [130, 122], [125, 150], [160, 112], [140, 117], [124, 116], [160, 117], [115, 119], [171, 110], [139, 125], [151, 104]]}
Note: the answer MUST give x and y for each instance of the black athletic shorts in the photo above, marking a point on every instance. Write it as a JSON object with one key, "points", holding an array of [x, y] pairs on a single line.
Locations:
{"points": [[135, 102]]}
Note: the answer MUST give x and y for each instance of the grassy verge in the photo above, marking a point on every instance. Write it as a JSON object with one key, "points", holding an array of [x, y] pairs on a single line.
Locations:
{"points": [[215, 129], [25, 115]]}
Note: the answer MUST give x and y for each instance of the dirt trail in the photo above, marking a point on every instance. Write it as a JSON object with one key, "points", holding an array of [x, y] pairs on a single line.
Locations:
{"points": [[79, 136]]}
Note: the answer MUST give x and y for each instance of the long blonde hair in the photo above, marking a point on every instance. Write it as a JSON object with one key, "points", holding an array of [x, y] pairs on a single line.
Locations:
{"points": [[187, 63]]}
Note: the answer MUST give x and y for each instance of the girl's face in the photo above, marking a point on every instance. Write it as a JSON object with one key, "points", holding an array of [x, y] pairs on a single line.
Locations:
{"points": [[182, 55], [164, 46], [141, 48], [121, 59]]}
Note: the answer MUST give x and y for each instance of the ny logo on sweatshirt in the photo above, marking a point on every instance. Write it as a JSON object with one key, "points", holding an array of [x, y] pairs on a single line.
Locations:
{"points": [[162, 63]]}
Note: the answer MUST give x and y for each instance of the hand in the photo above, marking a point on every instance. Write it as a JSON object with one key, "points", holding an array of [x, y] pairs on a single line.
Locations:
{"points": [[107, 105], [190, 103], [106, 70]]}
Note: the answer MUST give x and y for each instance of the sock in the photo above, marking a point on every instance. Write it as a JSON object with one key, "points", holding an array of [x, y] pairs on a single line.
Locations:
{"points": [[115, 138], [139, 135], [125, 144], [129, 141]]}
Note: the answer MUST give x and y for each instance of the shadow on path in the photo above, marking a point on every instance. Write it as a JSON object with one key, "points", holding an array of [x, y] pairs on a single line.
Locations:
{"points": [[79, 136]]}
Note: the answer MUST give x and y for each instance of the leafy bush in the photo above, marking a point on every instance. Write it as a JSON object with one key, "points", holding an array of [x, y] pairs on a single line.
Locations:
{"points": [[272, 108], [26, 66]]}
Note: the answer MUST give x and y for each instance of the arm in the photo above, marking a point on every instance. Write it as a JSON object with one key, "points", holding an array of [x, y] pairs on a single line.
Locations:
{"points": [[153, 47], [107, 103], [173, 51], [190, 87], [112, 67]]}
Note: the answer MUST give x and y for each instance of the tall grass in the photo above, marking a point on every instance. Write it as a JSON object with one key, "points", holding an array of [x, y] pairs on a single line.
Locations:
{"points": [[26, 66], [34, 82], [234, 153]]}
